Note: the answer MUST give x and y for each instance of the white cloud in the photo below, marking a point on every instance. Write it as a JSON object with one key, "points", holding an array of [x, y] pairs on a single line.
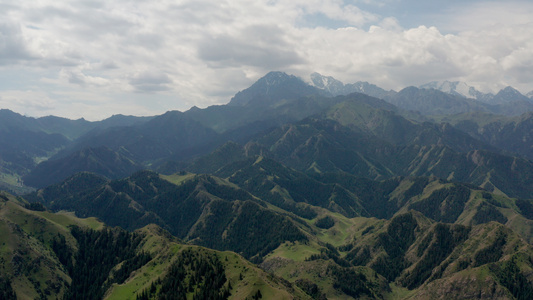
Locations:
{"points": [[13, 47], [260, 46], [482, 15], [29, 102], [150, 81], [77, 76], [170, 54]]}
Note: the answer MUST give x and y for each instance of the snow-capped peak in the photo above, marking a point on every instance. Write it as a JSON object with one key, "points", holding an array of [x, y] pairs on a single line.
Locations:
{"points": [[327, 83], [458, 88], [336, 87]]}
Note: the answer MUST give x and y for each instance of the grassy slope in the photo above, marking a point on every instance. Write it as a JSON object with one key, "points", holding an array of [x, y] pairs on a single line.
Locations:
{"points": [[25, 253], [478, 281], [26, 237], [12, 182], [290, 259], [478, 198], [245, 278], [178, 179]]}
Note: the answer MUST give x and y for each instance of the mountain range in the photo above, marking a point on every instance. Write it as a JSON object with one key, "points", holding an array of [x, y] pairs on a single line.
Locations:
{"points": [[508, 94], [292, 190], [274, 100]]}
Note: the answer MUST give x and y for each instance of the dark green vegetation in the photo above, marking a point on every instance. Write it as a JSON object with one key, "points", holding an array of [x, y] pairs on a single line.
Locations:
{"points": [[325, 222], [6, 291], [335, 197], [510, 276], [259, 208], [98, 253], [193, 271], [205, 209], [64, 258]]}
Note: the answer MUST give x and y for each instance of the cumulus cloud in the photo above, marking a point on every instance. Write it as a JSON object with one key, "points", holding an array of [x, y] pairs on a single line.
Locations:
{"points": [[259, 45], [13, 47], [481, 15], [170, 54], [150, 81], [77, 76], [29, 102]]}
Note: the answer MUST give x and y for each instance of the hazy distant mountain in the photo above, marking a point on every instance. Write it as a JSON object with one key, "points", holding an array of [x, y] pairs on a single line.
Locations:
{"points": [[273, 100], [172, 133], [273, 88], [434, 102], [71, 129], [100, 160], [376, 117], [503, 97], [509, 94], [23, 144], [27, 141], [277, 100], [335, 87], [257, 116], [329, 84], [514, 135], [458, 88], [180, 136], [530, 95]]}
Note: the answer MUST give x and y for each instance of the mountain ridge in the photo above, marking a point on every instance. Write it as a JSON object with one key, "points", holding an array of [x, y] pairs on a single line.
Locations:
{"points": [[274, 100]]}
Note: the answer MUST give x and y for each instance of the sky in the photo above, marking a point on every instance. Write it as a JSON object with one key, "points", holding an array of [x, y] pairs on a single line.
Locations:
{"points": [[93, 59]]}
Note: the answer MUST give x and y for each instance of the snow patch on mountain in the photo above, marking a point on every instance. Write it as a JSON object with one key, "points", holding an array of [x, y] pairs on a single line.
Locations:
{"points": [[457, 88], [336, 87]]}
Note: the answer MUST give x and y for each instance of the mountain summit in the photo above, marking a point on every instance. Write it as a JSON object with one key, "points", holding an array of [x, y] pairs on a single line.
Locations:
{"points": [[328, 83], [272, 88], [509, 94], [335, 87], [457, 88]]}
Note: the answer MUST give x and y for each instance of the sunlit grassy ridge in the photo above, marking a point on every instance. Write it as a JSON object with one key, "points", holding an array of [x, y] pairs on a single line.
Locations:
{"points": [[25, 247], [244, 278], [28, 236]]}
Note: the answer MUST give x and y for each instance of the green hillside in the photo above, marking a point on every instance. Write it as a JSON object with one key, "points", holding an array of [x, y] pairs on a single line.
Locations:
{"points": [[27, 239], [57, 255], [408, 257], [205, 210]]}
